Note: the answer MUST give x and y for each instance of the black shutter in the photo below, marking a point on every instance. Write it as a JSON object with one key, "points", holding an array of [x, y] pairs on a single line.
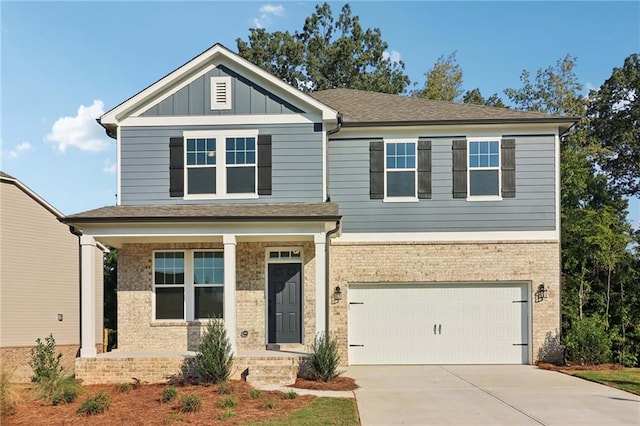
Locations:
{"points": [[376, 170], [176, 167], [424, 168], [264, 164], [460, 168], [508, 166]]}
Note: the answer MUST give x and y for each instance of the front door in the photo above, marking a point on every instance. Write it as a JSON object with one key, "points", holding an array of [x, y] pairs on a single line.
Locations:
{"points": [[284, 304]]}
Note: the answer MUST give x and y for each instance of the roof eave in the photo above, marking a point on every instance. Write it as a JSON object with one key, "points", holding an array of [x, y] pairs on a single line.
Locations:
{"points": [[569, 121], [199, 219]]}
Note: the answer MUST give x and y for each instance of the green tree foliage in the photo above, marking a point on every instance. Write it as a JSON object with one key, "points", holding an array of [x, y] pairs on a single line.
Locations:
{"points": [[110, 288], [475, 97], [614, 110], [443, 80], [214, 359], [327, 53]]}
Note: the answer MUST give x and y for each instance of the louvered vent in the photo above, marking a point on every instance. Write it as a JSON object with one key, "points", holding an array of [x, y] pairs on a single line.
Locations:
{"points": [[220, 93]]}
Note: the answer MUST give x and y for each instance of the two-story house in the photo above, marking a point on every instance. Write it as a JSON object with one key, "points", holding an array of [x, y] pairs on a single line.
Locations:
{"points": [[414, 231]]}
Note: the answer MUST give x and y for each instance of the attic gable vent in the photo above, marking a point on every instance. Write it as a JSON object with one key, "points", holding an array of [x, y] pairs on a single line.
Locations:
{"points": [[220, 93]]}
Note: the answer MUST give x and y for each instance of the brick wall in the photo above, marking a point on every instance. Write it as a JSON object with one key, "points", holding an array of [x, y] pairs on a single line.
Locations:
{"points": [[535, 262], [16, 359]]}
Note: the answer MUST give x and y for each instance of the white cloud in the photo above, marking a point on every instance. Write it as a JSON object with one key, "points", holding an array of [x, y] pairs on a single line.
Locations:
{"points": [[109, 167], [394, 56], [266, 13], [80, 131], [16, 151]]}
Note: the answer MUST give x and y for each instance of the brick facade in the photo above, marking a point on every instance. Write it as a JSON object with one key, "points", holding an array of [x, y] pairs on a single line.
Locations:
{"points": [[16, 359], [533, 261]]}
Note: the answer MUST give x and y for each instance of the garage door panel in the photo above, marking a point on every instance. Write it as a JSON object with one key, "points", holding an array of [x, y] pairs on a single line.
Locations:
{"points": [[436, 324]]}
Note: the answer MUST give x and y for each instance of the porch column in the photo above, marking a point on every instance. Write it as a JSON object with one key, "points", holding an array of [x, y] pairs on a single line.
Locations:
{"points": [[88, 298], [229, 242], [321, 290]]}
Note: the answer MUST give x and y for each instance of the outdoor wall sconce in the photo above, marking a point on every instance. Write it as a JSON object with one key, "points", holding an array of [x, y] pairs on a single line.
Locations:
{"points": [[541, 293], [337, 294], [59, 317]]}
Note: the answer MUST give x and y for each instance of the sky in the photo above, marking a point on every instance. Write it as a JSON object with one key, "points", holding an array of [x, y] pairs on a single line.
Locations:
{"points": [[63, 64]]}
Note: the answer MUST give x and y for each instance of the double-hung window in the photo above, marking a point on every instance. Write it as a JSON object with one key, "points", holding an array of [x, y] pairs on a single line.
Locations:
{"points": [[188, 284], [221, 164], [400, 171], [484, 169]]}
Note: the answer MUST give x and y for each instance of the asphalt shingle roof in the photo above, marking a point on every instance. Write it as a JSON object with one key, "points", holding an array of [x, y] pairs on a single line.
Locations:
{"points": [[361, 107], [214, 213]]}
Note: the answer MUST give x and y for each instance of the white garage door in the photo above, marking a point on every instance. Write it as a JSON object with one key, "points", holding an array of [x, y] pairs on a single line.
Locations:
{"points": [[438, 324]]}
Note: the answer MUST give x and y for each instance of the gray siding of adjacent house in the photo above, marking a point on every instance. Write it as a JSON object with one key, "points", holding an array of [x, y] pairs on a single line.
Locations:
{"points": [[533, 208], [195, 98], [296, 164]]}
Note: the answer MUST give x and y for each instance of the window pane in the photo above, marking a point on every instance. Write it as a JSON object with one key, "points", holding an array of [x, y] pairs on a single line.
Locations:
{"points": [[170, 303], [401, 163], [473, 148], [241, 180], [400, 149], [401, 184], [211, 144], [201, 145], [493, 161], [473, 161], [484, 147], [493, 147], [231, 157], [201, 180], [484, 161], [251, 144], [391, 162], [208, 302], [483, 182], [208, 268], [251, 157], [191, 159], [191, 144]]}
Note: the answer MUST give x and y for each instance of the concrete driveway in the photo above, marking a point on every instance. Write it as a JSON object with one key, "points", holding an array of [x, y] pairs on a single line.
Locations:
{"points": [[486, 395]]}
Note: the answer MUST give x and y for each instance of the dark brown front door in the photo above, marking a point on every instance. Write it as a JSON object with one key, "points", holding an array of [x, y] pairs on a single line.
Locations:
{"points": [[284, 304]]}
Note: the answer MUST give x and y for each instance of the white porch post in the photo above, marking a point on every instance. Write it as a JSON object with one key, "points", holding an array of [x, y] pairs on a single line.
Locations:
{"points": [[88, 299], [321, 290], [229, 242]]}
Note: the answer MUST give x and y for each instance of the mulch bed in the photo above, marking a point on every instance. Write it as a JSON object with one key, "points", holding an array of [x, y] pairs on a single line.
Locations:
{"points": [[569, 368], [337, 384]]}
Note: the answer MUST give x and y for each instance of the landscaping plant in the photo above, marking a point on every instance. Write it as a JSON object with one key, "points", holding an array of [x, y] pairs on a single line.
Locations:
{"points": [[587, 342], [98, 404], [169, 394], [214, 359], [48, 375], [8, 392], [324, 359], [190, 403]]}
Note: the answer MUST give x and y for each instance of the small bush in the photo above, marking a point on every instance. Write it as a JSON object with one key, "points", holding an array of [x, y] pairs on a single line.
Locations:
{"points": [[229, 402], [190, 403], [226, 414], [290, 395], [214, 359], [8, 392], [255, 394], [587, 342], [324, 359], [44, 362], [225, 388], [123, 387], [95, 405], [174, 417], [59, 390], [270, 405], [169, 394]]}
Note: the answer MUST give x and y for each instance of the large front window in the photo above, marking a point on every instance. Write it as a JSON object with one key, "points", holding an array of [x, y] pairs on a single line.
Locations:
{"points": [[220, 164], [484, 168], [188, 285], [400, 172]]}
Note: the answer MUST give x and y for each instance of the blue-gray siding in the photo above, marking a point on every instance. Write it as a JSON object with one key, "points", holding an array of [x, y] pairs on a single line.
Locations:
{"points": [[296, 164], [533, 208], [195, 98]]}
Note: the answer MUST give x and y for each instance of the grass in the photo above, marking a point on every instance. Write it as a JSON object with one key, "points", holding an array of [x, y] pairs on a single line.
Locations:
{"points": [[627, 379], [321, 411]]}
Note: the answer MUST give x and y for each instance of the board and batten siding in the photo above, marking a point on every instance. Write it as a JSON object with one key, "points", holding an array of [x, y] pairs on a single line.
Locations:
{"points": [[533, 207], [195, 98], [296, 164]]}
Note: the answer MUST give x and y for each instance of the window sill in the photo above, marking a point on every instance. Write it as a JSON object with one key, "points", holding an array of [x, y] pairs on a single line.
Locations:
{"points": [[484, 198], [178, 323], [220, 197], [400, 200]]}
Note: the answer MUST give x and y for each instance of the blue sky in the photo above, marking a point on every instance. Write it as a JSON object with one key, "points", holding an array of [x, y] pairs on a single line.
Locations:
{"points": [[64, 63]]}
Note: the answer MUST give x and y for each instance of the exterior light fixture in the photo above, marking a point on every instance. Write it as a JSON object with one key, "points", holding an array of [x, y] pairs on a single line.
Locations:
{"points": [[541, 293], [337, 294], [59, 317]]}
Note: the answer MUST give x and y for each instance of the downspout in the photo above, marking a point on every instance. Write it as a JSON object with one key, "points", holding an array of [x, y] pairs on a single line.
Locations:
{"points": [[327, 278], [78, 234]]}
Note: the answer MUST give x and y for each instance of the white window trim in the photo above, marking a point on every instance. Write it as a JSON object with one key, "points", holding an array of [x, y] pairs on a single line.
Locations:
{"points": [[221, 164], [189, 307], [215, 105], [499, 169], [391, 199]]}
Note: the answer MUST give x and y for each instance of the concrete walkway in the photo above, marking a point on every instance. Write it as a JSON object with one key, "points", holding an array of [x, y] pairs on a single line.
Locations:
{"points": [[486, 395]]}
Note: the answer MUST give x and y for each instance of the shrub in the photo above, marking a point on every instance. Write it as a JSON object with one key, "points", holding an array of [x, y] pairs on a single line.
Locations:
{"points": [[225, 388], [214, 359], [59, 390], [255, 394], [229, 402], [270, 405], [95, 405], [290, 395], [587, 342], [190, 403], [169, 394], [324, 359], [226, 414], [44, 362], [8, 392], [123, 387]]}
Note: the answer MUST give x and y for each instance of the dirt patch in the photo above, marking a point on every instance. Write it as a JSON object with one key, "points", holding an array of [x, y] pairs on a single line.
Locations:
{"points": [[337, 384], [142, 406], [569, 368]]}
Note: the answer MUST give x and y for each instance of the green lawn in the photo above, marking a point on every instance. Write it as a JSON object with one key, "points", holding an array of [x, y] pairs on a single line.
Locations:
{"points": [[321, 411], [627, 379]]}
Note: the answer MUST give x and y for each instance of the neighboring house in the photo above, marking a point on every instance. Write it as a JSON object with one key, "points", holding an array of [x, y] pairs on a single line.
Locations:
{"points": [[39, 279], [414, 231]]}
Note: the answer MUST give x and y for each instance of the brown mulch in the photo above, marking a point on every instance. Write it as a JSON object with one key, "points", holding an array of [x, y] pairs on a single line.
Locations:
{"points": [[569, 368], [142, 406], [337, 384]]}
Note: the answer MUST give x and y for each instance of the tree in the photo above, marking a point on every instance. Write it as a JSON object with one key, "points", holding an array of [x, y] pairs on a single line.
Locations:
{"points": [[443, 81], [615, 122], [327, 54], [110, 270], [475, 97]]}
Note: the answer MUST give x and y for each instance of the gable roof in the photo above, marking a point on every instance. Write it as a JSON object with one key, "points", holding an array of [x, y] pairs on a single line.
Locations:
{"points": [[5, 178], [362, 108], [214, 54]]}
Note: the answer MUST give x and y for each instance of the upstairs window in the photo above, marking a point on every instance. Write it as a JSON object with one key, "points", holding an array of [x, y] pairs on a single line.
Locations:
{"points": [[400, 169], [241, 165], [201, 165], [484, 168]]}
